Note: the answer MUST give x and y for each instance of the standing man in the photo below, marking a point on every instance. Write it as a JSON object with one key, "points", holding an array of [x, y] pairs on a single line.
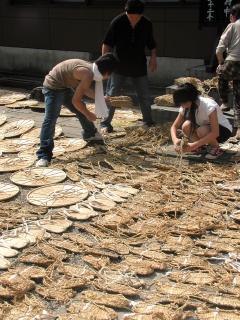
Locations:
{"points": [[128, 36], [229, 69], [66, 84]]}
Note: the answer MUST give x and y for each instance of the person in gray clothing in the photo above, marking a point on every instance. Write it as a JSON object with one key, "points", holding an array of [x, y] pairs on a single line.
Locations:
{"points": [[229, 68]]}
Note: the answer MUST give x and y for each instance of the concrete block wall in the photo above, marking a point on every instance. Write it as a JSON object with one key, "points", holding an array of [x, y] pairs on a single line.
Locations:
{"points": [[36, 62]]}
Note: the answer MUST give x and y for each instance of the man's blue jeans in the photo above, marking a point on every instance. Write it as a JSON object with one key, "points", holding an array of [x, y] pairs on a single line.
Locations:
{"points": [[114, 88], [54, 99]]}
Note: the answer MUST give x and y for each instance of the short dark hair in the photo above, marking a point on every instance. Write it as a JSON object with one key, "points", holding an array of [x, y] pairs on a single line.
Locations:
{"points": [[235, 11], [107, 63], [184, 93], [135, 6]]}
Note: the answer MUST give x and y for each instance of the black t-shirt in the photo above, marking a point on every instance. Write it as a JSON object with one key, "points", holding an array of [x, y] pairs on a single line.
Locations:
{"points": [[129, 44]]}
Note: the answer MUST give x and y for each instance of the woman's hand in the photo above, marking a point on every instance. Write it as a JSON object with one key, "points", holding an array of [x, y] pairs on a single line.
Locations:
{"points": [[177, 145], [191, 146]]}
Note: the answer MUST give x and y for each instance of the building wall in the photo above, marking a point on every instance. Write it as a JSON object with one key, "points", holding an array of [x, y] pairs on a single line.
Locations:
{"points": [[81, 28]]}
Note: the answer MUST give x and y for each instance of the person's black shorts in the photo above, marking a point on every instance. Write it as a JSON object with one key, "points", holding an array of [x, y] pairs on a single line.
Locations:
{"points": [[224, 134]]}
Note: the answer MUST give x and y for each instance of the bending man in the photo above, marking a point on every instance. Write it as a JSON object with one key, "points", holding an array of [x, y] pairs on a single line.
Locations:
{"points": [[66, 84]]}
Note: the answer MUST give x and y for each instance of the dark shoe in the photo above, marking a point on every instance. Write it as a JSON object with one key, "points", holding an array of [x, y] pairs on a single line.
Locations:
{"points": [[149, 123], [96, 138]]}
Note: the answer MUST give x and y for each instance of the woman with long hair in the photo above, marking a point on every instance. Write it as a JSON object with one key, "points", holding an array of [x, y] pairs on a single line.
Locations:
{"points": [[201, 120]]}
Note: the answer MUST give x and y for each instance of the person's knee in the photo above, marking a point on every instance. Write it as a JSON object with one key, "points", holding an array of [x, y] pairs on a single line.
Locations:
{"points": [[202, 131], [186, 127]]}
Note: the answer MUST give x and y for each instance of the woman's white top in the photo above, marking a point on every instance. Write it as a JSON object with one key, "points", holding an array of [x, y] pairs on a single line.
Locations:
{"points": [[205, 107]]}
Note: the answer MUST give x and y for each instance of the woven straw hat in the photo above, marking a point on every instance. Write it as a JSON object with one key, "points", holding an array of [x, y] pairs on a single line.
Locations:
{"points": [[15, 145], [100, 202], [14, 242], [80, 211], [4, 263], [96, 183], [71, 144], [58, 195], [39, 106], [113, 196], [3, 119], [125, 188], [117, 191], [36, 177], [55, 225], [35, 133], [16, 128], [14, 164], [11, 98], [22, 104], [31, 152], [8, 191], [8, 252]]}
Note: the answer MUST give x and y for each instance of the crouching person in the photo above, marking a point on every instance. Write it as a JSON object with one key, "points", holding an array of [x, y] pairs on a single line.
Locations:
{"points": [[201, 121]]}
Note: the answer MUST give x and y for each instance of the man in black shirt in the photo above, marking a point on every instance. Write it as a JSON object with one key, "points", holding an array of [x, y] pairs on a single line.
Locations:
{"points": [[128, 36]]}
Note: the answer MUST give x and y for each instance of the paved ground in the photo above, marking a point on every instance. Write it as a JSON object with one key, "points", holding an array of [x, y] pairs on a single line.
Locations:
{"points": [[70, 125]]}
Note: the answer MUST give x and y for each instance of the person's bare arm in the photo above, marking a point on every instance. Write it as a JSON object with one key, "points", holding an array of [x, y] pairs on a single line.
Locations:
{"points": [[153, 60], [220, 57], [224, 43], [176, 125], [90, 93], [106, 48], [86, 78]]}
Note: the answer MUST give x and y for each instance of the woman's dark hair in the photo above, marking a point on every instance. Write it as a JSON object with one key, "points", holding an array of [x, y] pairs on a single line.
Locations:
{"points": [[135, 6], [235, 11], [107, 63], [184, 93]]}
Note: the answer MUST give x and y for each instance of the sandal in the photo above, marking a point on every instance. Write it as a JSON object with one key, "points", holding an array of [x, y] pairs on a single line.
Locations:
{"points": [[214, 153]]}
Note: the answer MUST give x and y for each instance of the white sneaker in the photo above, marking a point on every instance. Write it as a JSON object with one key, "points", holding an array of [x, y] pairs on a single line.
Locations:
{"points": [[42, 163], [96, 137]]}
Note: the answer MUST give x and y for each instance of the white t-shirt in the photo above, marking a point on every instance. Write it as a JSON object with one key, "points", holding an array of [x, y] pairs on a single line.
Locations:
{"points": [[205, 107]]}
